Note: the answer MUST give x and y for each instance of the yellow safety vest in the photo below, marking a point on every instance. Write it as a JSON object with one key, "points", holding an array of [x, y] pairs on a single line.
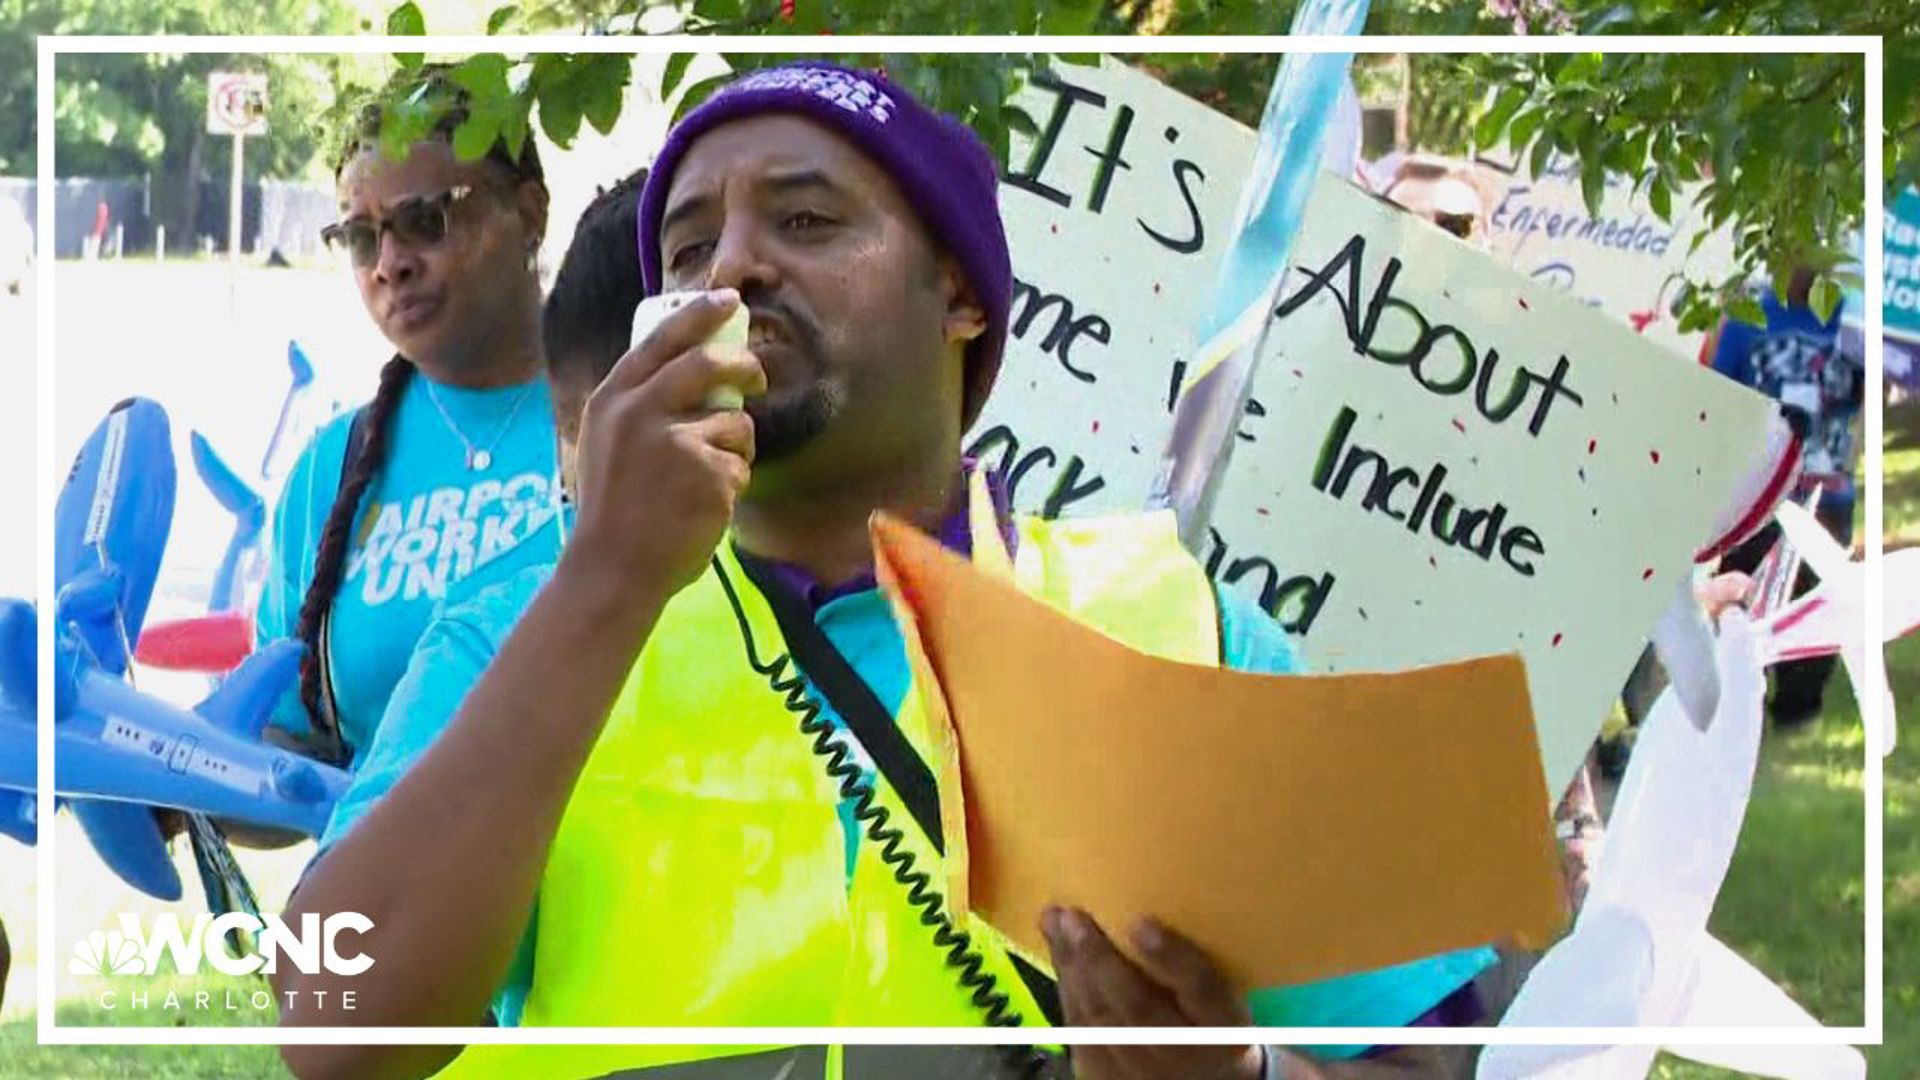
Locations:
{"points": [[698, 875]]}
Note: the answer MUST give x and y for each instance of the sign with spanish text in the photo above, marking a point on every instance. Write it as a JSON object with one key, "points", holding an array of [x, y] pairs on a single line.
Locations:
{"points": [[1623, 260]]}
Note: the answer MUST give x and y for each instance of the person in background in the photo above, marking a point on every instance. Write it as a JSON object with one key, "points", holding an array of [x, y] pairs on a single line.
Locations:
{"points": [[96, 241], [1796, 359], [447, 473], [1441, 192], [587, 320]]}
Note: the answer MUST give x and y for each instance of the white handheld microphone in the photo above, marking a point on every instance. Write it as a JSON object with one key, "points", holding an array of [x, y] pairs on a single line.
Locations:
{"points": [[654, 309]]}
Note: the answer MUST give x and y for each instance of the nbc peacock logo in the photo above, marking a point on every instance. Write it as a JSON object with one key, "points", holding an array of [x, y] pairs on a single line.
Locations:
{"points": [[107, 952]]}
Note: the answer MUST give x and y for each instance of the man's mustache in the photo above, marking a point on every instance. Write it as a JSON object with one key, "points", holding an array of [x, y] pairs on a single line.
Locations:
{"points": [[796, 331]]}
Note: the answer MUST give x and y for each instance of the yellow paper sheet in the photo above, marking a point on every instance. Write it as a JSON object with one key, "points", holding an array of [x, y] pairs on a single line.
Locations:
{"points": [[1295, 827]]}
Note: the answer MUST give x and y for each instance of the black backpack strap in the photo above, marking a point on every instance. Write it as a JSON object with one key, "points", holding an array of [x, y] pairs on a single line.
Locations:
{"points": [[870, 721], [873, 725]]}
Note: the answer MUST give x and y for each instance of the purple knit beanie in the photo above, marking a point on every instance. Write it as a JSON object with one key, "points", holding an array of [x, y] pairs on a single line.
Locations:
{"points": [[941, 167]]}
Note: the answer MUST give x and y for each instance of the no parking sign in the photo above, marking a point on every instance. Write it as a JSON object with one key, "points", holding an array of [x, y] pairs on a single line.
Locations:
{"points": [[236, 103]]}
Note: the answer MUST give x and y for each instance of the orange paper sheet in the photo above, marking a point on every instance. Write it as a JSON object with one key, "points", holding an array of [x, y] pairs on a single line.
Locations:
{"points": [[1296, 827]]}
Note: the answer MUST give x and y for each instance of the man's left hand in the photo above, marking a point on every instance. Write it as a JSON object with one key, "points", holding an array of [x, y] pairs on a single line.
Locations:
{"points": [[1175, 984]]}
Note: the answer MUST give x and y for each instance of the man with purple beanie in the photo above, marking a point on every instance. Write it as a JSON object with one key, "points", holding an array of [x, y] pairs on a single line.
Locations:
{"points": [[700, 750]]}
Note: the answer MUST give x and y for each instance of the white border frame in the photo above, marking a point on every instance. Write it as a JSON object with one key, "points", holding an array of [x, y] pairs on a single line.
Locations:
{"points": [[1869, 48]]}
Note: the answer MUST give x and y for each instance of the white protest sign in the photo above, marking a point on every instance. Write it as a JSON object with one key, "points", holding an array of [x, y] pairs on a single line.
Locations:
{"points": [[1573, 466], [1621, 260], [1116, 215]]}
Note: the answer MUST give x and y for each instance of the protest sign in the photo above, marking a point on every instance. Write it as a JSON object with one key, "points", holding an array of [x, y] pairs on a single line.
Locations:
{"points": [[1899, 296], [1623, 260], [1440, 460], [1900, 301]]}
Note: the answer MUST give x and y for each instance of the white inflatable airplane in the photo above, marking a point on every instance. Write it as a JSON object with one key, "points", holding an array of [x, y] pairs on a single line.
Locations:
{"points": [[1831, 618], [1639, 954]]}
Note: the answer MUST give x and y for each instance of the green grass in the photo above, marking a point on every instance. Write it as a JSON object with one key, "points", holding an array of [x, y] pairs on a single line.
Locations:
{"points": [[1903, 487], [21, 1056]]}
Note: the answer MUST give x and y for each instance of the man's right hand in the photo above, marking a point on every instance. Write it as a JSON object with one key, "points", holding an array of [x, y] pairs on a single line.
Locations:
{"points": [[658, 471], [447, 862]]}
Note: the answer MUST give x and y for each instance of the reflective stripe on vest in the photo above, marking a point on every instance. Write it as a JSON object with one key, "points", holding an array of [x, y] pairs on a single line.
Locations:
{"points": [[698, 874]]}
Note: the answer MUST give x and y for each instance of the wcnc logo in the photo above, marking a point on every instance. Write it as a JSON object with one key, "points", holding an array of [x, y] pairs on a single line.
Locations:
{"points": [[130, 950]]}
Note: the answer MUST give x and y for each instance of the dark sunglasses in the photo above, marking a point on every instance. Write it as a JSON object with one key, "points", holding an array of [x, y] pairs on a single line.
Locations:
{"points": [[1460, 225], [419, 220]]}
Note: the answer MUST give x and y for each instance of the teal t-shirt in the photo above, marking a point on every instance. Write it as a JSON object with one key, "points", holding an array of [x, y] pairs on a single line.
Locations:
{"points": [[427, 522], [457, 648]]}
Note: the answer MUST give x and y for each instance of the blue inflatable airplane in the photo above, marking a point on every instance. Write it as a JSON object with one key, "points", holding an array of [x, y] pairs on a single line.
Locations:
{"points": [[121, 753]]}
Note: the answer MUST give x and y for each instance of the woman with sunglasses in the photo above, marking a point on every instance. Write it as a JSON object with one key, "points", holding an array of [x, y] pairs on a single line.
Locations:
{"points": [[447, 473]]}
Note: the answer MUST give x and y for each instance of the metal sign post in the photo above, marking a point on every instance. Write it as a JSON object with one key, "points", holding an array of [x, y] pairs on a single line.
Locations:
{"points": [[233, 198]]}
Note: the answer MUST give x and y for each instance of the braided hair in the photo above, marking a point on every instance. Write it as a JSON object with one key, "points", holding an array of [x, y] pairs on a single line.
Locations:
{"points": [[365, 455], [367, 445]]}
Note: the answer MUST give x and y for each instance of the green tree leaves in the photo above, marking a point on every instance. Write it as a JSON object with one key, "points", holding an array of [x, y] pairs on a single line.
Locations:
{"points": [[407, 21], [1770, 146], [1767, 144]]}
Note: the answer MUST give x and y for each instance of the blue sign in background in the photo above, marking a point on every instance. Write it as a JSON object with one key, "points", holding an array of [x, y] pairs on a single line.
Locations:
{"points": [[1900, 302]]}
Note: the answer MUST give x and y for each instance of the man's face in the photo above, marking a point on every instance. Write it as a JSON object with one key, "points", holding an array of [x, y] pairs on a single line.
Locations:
{"points": [[852, 311]]}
